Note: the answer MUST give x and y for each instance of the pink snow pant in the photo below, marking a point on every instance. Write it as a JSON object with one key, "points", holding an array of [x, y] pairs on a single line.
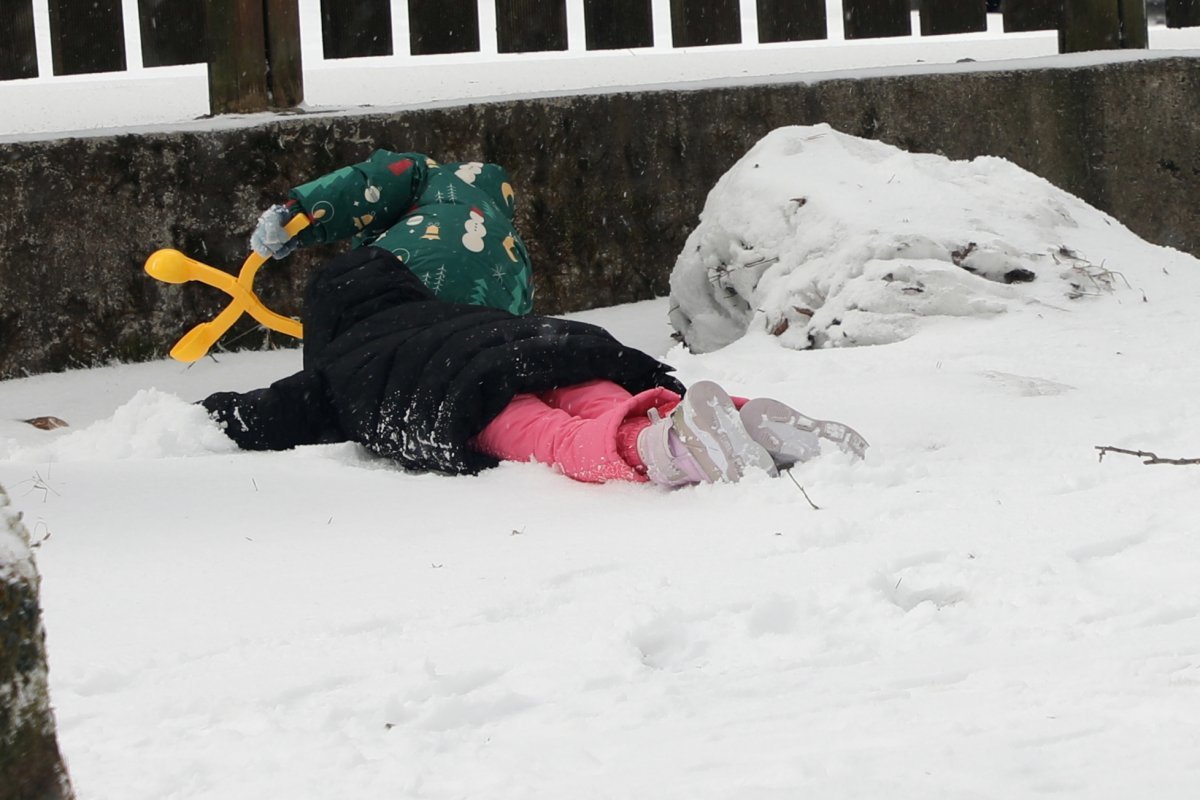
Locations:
{"points": [[588, 431]]}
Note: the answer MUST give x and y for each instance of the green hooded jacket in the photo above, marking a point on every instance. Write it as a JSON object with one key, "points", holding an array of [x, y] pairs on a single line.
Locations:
{"points": [[452, 224]]}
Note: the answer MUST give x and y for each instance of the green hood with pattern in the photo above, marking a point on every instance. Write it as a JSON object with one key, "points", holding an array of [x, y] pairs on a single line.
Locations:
{"points": [[450, 223]]}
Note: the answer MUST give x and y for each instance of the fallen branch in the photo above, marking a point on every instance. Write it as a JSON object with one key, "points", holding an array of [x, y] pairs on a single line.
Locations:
{"points": [[1146, 456]]}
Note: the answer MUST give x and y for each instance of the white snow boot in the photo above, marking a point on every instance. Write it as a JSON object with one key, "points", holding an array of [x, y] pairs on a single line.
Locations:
{"points": [[701, 440], [791, 437]]}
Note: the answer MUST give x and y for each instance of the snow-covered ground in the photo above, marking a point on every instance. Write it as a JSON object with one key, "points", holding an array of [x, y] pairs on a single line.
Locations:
{"points": [[981, 609]]}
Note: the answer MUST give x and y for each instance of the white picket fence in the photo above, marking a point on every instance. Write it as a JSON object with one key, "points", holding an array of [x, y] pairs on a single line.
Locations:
{"points": [[142, 96]]}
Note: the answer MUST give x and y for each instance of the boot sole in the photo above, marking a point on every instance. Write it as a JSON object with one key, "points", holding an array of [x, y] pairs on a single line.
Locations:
{"points": [[790, 436], [710, 427]]}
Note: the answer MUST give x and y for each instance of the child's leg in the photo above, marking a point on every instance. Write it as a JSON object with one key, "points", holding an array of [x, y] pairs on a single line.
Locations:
{"points": [[529, 429], [596, 398], [589, 400]]}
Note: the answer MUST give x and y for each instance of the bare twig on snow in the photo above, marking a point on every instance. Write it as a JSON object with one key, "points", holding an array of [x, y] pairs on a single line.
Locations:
{"points": [[1146, 456]]}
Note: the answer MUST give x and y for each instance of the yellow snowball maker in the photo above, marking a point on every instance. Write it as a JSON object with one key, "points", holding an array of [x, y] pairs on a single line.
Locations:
{"points": [[172, 266]]}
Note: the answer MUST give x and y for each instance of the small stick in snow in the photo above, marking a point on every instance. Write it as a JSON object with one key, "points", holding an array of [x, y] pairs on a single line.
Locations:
{"points": [[41, 484], [801, 488], [1146, 456]]}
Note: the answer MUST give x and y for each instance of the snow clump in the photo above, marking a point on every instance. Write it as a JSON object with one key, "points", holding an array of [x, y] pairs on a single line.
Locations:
{"points": [[151, 425], [825, 239]]}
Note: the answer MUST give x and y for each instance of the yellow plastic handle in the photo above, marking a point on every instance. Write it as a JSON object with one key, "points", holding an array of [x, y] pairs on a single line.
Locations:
{"points": [[194, 344], [297, 224], [172, 266]]}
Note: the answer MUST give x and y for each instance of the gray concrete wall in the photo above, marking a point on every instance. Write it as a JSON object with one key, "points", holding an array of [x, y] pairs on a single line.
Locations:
{"points": [[609, 185]]}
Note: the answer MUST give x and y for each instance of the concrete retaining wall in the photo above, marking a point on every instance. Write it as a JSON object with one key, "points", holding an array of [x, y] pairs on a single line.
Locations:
{"points": [[609, 185]]}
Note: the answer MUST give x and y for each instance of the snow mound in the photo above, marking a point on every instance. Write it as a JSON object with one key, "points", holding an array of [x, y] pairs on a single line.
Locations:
{"points": [[825, 239], [151, 425]]}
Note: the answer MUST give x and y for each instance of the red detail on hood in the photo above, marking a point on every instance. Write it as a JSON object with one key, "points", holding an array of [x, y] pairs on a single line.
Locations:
{"points": [[400, 167]]}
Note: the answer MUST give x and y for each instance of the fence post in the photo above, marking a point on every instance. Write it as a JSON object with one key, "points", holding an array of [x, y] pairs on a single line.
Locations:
{"points": [[237, 58], [617, 24], [18, 46], [443, 26], [695, 23], [1102, 25], [526, 26], [253, 62], [285, 72], [953, 16], [1031, 15], [1135, 25], [791, 20], [1183, 13], [875, 19]]}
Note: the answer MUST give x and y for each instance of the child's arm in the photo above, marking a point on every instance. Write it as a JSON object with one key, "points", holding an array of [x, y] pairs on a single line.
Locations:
{"points": [[290, 412], [362, 200]]}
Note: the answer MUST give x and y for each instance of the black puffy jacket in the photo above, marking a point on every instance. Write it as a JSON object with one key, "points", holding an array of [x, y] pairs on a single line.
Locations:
{"points": [[413, 378]]}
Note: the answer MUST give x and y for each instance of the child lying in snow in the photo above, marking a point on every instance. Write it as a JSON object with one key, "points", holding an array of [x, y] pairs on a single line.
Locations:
{"points": [[415, 349], [455, 388]]}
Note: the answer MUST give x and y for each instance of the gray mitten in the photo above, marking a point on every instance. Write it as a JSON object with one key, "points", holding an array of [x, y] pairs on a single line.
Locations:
{"points": [[269, 239]]}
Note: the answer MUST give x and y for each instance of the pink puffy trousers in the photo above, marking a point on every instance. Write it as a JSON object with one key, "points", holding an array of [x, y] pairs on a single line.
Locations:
{"points": [[577, 429]]}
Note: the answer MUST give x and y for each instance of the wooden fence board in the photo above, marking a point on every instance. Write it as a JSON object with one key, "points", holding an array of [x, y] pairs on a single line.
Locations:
{"points": [[353, 30], [1031, 15], [237, 70], [618, 24], [1135, 25], [86, 36], [1089, 25], [18, 48], [695, 23], [1183, 13], [172, 32], [1102, 25], [443, 26], [953, 16], [874, 19], [791, 20], [285, 76], [527, 26]]}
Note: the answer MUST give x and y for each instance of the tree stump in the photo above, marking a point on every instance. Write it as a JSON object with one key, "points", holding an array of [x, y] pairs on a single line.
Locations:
{"points": [[31, 766]]}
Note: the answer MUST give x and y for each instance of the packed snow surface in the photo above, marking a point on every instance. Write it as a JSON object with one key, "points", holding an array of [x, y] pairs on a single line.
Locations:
{"points": [[981, 609]]}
